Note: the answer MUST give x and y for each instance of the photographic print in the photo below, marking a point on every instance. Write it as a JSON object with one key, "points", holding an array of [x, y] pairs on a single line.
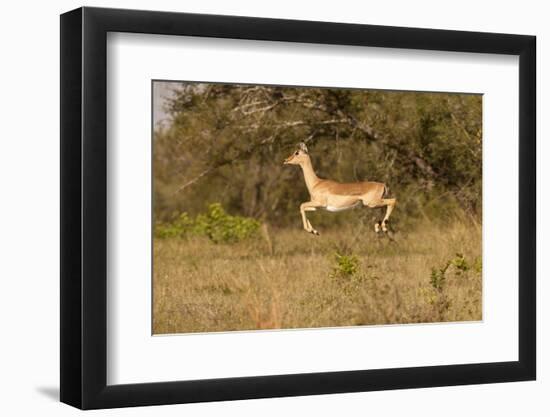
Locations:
{"points": [[285, 207]]}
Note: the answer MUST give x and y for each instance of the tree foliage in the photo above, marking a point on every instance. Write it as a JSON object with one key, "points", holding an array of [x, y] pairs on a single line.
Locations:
{"points": [[226, 144]]}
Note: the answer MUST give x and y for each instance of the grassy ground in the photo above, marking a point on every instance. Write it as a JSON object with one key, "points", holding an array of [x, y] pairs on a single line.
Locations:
{"points": [[291, 279]]}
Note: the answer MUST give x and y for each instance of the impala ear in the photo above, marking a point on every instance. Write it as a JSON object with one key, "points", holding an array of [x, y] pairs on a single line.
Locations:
{"points": [[303, 147]]}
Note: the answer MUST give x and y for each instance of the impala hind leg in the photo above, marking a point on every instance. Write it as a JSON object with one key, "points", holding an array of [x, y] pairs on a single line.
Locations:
{"points": [[389, 203]]}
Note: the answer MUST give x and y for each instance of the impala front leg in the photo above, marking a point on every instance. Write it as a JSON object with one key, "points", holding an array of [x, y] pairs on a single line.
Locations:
{"points": [[309, 206]]}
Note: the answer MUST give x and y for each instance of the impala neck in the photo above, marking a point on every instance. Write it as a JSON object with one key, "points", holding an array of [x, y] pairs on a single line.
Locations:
{"points": [[309, 174]]}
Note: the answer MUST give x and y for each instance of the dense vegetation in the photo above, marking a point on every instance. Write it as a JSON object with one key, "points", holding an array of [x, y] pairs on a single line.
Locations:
{"points": [[226, 144]]}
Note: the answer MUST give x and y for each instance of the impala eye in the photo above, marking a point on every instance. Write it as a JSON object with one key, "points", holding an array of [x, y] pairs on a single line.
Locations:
{"points": [[296, 153]]}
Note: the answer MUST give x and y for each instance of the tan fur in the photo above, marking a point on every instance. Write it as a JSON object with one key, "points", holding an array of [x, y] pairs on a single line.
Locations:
{"points": [[335, 196]]}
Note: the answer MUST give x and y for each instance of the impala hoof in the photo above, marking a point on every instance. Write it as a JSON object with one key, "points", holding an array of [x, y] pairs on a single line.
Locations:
{"points": [[315, 232]]}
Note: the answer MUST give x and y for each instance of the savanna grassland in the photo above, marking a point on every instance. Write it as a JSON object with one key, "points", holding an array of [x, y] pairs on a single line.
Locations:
{"points": [[292, 279], [230, 252]]}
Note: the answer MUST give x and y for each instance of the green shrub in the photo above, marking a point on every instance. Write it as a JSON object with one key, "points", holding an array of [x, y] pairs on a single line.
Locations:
{"points": [[180, 227], [216, 224], [347, 266], [460, 263], [478, 266], [460, 266], [221, 227], [437, 277]]}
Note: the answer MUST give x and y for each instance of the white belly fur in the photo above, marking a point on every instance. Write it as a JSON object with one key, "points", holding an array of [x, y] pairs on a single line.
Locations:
{"points": [[341, 208]]}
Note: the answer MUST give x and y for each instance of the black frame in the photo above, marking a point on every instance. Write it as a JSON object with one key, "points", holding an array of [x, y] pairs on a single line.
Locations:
{"points": [[84, 207]]}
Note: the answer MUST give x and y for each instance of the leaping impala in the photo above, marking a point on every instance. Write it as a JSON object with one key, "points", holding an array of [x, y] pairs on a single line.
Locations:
{"points": [[335, 196]]}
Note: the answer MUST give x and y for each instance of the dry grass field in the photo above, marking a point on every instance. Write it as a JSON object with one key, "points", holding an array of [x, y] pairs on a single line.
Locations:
{"points": [[288, 278]]}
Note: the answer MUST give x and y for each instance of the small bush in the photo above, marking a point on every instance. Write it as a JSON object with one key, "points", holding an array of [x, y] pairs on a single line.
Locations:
{"points": [[347, 266], [221, 227], [180, 227], [478, 266], [437, 277], [460, 263], [216, 224]]}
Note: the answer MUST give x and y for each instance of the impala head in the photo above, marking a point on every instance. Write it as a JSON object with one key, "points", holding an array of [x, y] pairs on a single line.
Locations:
{"points": [[299, 156]]}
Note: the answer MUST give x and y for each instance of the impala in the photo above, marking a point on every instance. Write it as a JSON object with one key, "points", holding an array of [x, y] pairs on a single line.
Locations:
{"points": [[335, 196]]}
